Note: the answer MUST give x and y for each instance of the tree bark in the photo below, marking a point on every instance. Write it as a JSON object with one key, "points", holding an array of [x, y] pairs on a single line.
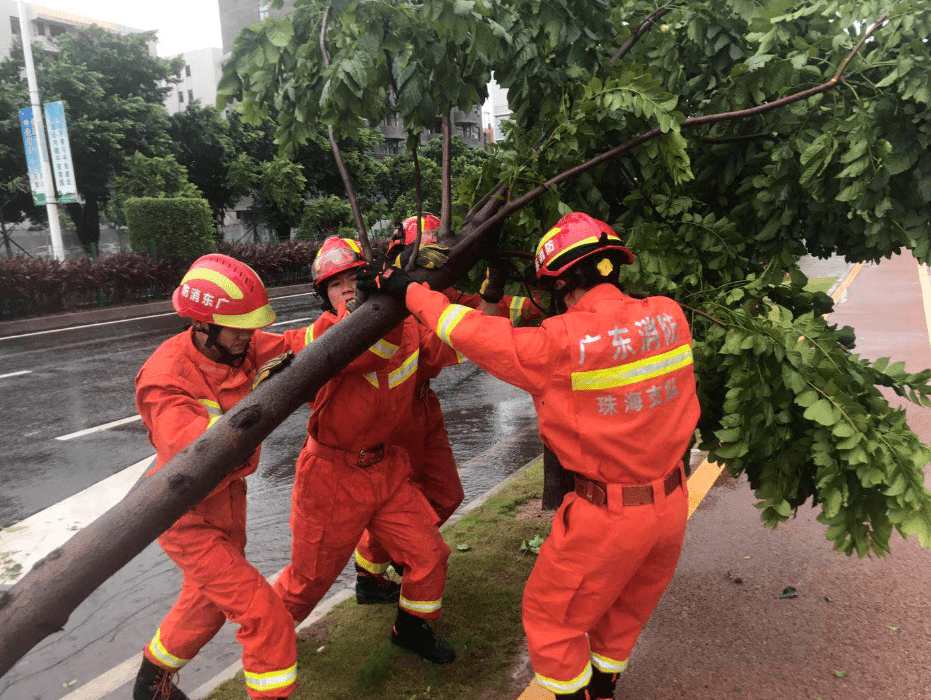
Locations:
{"points": [[86, 220], [557, 480]]}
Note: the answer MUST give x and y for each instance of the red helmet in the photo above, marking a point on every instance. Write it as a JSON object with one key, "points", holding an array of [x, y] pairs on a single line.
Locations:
{"points": [[575, 237], [335, 255], [429, 226], [221, 290]]}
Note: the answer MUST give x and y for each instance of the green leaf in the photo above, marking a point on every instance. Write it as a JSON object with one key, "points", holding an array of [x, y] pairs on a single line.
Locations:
{"points": [[821, 412]]}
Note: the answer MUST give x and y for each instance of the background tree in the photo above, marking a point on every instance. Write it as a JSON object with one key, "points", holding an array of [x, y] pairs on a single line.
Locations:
{"points": [[277, 190], [325, 216], [202, 143]]}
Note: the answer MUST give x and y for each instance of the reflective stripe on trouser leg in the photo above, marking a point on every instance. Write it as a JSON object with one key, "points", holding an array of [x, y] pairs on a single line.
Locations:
{"points": [[606, 665], [371, 556], [156, 652], [271, 681], [566, 687]]}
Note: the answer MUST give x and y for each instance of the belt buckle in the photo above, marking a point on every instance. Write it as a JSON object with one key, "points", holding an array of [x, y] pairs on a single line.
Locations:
{"points": [[369, 457], [591, 491]]}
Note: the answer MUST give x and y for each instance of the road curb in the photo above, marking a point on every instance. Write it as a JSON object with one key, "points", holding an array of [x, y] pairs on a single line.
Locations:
{"points": [[114, 313]]}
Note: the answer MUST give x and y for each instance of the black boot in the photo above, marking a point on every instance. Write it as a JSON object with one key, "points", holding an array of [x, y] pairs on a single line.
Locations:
{"points": [[375, 588], [602, 685], [155, 683], [580, 694], [413, 633]]}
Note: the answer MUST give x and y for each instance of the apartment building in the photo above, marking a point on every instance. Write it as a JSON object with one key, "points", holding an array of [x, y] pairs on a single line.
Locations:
{"points": [[47, 24], [198, 80]]}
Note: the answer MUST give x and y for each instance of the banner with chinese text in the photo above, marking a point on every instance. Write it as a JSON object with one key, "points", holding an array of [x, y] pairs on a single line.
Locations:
{"points": [[33, 155], [62, 165]]}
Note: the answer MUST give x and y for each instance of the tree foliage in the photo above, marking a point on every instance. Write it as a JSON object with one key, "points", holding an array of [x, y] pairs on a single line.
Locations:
{"points": [[724, 141]]}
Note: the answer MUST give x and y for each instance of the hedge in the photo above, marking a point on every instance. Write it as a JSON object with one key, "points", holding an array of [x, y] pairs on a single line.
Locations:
{"points": [[169, 228]]}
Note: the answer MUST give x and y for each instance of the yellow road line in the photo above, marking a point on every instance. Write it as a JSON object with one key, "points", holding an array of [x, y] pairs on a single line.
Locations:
{"points": [[925, 295], [706, 474]]}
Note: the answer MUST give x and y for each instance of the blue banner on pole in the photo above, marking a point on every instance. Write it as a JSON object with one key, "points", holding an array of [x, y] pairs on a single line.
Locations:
{"points": [[33, 157], [60, 147]]}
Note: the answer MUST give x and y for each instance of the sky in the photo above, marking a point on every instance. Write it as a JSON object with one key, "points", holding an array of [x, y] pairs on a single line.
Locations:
{"points": [[183, 25]]}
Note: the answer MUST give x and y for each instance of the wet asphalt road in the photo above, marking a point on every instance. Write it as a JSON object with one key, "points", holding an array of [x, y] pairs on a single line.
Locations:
{"points": [[83, 378]]}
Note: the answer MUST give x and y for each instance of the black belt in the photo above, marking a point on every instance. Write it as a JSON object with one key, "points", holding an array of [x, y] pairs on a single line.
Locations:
{"points": [[597, 492]]}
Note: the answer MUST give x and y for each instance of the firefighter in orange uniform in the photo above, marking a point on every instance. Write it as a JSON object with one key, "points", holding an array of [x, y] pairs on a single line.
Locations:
{"points": [[614, 389], [425, 438], [185, 386], [352, 474]]}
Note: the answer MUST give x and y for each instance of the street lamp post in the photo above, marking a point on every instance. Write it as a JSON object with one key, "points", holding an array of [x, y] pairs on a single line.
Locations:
{"points": [[51, 202]]}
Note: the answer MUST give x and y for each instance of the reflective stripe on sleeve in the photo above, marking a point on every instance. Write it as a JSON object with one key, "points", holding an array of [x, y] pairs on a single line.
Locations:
{"points": [[606, 665], [372, 378], [309, 335], [405, 371], [449, 319], [213, 410], [420, 606], [159, 652], [384, 349], [517, 308], [566, 687], [272, 680], [633, 372]]}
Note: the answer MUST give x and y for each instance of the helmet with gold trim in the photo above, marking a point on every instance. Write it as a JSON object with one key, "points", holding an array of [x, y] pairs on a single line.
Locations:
{"points": [[223, 291], [576, 237]]}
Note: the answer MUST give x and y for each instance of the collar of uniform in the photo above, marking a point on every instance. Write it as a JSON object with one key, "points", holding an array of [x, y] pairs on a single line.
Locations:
{"points": [[597, 294]]}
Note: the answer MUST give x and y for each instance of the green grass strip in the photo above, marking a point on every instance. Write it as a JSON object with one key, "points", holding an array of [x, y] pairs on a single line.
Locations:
{"points": [[348, 654]]}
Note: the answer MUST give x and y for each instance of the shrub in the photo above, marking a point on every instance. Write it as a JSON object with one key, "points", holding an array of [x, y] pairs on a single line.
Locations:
{"points": [[170, 228], [326, 216], [285, 263]]}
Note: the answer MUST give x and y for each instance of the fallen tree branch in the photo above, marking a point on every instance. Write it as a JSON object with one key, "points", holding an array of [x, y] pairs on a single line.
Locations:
{"points": [[644, 27]]}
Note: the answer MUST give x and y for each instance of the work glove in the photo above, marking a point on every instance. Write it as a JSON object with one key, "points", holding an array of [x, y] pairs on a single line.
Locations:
{"points": [[393, 281], [272, 367], [430, 257], [492, 289]]}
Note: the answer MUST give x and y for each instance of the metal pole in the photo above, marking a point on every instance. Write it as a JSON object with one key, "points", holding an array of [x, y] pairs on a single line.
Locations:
{"points": [[51, 206]]}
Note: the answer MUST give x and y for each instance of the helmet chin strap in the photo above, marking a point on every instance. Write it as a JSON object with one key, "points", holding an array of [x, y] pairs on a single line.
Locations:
{"points": [[226, 357]]}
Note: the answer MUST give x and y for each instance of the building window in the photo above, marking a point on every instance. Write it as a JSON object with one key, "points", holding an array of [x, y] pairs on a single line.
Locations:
{"points": [[438, 126], [263, 11], [190, 95], [392, 147], [57, 30], [14, 25], [187, 71], [180, 97], [40, 28], [391, 119]]}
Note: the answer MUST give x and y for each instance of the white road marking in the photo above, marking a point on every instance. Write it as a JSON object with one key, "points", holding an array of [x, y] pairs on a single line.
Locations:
{"points": [[31, 539], [126, 320], [85, 325], [97, 429], [15, 374]]}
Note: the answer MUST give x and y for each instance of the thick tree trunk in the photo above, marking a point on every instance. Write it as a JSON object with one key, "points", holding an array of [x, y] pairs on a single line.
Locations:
{"points": [[557, 480], [86, 220], [41, 602]]}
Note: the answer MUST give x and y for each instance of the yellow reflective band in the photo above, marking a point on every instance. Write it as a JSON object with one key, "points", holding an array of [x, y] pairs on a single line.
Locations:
{"points": [[606, 665], [449, 319], [259, 318], [547, 236], [370, 566], [271, 680], [219, 279], [566, 687], [460, 358], [309, 335], [633, 372], [160, 653], [405, 371], [517, 305], [384, 349], [422, 606], [372, 378], [213, 410]]}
